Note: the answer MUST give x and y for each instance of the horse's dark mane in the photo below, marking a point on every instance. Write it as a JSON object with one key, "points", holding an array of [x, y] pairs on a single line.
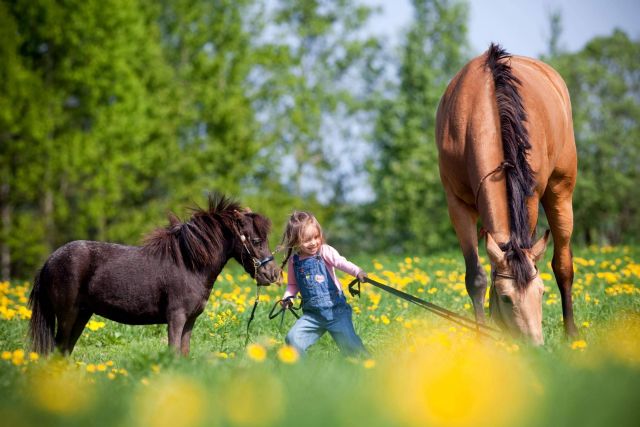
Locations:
{"points": [[197, 242], [515, 141]]}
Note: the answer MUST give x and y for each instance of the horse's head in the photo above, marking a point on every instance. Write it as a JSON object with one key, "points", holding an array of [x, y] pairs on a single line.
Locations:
{"points": [[517, 309], [251, 247]]}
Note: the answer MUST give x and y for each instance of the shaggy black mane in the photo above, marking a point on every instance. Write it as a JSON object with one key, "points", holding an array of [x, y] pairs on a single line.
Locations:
{"points": [[198, 241], [520, 177]]}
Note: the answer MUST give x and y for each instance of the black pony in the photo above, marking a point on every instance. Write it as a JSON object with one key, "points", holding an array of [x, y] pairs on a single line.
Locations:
{"points": [[167, 280]]}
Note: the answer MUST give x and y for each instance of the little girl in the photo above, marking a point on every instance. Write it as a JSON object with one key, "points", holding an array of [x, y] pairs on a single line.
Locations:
{"points": [[311, 272]]}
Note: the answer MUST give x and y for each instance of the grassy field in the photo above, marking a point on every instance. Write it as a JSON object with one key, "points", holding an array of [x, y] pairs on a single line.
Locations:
{"points": [[423, 371]]}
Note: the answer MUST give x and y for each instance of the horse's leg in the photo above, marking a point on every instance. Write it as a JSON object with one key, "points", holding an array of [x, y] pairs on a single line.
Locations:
{"points": [[464, 219], [559, 210], [176, 321], [186, 336]]}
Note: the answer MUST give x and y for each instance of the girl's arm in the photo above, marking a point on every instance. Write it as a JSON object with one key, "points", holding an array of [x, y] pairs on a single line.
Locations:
{"points": [[333, 258], [292, 284]]}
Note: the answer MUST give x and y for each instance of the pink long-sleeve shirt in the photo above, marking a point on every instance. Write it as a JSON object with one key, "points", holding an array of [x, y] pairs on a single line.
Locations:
{"points": [[332, 259]]}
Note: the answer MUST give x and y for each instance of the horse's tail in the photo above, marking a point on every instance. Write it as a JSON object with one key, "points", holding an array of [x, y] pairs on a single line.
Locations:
{"points": [[515, 142], [42, 323]]}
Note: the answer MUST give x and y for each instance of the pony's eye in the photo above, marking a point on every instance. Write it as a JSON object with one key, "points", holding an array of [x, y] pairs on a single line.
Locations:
{"points": [[256, 241]]}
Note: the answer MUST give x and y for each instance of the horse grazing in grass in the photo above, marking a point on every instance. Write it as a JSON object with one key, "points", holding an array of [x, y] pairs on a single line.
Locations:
{"points": [[167, 280], [505, 141]]}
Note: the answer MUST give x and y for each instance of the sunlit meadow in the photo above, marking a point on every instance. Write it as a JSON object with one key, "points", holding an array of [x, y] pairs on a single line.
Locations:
{"points": [[423, 371]]}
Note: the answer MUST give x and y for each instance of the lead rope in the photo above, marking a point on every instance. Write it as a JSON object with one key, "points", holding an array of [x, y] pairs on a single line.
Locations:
{"points": [[253, 312], [433, 308], [505, 164], [257, 300]]}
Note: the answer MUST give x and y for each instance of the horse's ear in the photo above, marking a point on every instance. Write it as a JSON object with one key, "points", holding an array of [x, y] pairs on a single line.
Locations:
{"points": [[496, 255], [238, 214], [537, 251], [247, 210]]}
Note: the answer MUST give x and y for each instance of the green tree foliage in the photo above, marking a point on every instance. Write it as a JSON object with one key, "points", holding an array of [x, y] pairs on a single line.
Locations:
{"points": [[604, 83], [313, 88], [22, 124], [88, 163], [209, 48], [410, 212]]}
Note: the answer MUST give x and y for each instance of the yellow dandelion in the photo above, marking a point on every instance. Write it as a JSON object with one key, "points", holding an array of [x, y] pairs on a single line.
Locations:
{"points": [[579, 345], [369, 363], [155, 368], [256, 352], [91, 368], [94, 325], [17, 358], [101, 367], [6, 355], [288, 354]]}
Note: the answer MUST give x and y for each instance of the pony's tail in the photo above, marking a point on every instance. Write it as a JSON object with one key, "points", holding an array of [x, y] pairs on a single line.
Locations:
{"points": [[42, 323]]}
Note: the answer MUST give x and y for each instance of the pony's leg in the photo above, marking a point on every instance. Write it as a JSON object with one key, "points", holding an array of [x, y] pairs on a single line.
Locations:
{"points": [[559, 211], [66, 321], [78, 326], [176, 322], [186, 336], [464, 219]]}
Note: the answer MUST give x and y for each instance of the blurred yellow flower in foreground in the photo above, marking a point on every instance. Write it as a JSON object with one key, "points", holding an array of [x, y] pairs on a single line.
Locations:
{"points": [[59, 388], [256, 352], [170, 401], [623, 340], [254, 399], [458, 385], [288, 354]]}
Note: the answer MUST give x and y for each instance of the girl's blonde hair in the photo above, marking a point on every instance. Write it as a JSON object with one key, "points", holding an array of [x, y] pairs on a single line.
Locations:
{"points": [[292, 237]]}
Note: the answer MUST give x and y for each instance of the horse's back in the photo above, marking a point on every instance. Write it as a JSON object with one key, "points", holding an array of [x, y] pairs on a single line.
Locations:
{"points": [[549, 119], [468, 130]]}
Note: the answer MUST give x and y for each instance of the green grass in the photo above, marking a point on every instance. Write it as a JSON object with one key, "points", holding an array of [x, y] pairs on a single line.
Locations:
{"points": [[424, 371]]}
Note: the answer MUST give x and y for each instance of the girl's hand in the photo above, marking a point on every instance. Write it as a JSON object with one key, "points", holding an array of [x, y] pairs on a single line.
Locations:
{"points": [[286, 303], [361, 276]]}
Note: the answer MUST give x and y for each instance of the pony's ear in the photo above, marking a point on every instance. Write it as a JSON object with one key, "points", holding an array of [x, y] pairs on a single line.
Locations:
{"points": [[496, 255], [247, 210], [537, 251], [173, 220], [238, 214]]}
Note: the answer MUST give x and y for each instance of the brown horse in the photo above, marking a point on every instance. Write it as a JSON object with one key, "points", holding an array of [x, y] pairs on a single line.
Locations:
{"points": [[505, 142], [167, 280]]}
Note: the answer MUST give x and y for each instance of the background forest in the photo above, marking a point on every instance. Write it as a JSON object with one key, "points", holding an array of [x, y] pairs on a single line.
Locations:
{"points": [[115, 112]]}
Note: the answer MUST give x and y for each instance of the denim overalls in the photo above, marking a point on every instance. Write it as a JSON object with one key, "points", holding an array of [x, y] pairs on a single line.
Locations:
{"points": [[324, 307]]}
